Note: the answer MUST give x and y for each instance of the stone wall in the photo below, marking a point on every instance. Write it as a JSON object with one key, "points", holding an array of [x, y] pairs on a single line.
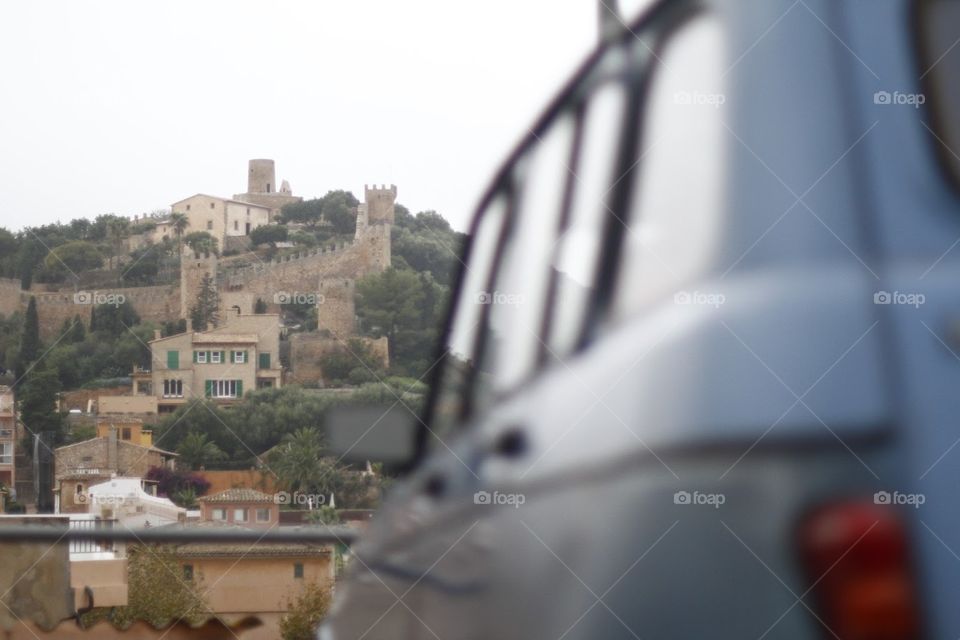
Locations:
{"points": [[306, 350], [9, 296], [83, 399], [152, 304]]}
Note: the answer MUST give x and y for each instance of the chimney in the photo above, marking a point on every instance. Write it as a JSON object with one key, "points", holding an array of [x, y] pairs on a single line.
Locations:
{"points": [[157, 334], [112, 457]]}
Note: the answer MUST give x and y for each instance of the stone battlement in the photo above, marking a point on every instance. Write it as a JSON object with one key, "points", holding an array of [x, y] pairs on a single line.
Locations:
{"points": [[374, 190]]}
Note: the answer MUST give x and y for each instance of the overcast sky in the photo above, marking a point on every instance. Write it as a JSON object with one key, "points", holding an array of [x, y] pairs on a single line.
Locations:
{"points": [[127, 106]]}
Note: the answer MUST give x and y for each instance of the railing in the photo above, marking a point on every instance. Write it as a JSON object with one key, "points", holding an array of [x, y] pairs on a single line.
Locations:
{"points": [[314, 534], [93, 544]]}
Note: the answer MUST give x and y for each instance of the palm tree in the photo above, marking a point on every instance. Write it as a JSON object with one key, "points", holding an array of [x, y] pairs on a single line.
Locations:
{"points": [[195, 450], [180, 222], [117, 229], [299, 464]]}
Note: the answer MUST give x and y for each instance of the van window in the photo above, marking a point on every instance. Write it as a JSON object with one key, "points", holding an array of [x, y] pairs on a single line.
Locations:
{"points": [[576, 253], [674, 217], [514, 329], [467, 316]]}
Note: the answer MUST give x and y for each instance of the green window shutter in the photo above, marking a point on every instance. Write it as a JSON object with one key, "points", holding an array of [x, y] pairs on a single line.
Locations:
{"points": [[245, 361], [239, 388], [264, 360], [173, 359], [223, 357], [195, 355], [208, 387]]}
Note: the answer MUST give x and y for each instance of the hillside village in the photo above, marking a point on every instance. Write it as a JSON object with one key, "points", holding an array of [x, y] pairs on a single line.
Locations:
{"points": [[173, 369]]}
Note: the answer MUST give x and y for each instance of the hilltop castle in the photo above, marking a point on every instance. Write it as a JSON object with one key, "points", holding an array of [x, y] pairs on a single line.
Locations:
{"points": [[324, 274]]}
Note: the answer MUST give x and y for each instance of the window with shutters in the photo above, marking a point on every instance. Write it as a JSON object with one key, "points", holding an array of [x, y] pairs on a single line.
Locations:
{"points": [[173, 359], [264, 360]]}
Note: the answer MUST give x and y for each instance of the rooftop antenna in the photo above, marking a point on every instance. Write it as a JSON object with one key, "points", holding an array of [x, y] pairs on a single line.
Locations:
{"points": [[610, 22]]}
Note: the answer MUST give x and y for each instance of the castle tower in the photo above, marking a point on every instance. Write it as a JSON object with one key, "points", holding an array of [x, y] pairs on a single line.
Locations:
{"points": [[374, 222], [335, 307], [262, 177], [192, 269], [262, 187], [380, 203]]}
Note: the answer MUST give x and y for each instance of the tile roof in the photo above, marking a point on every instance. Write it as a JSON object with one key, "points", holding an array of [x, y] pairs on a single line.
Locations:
{"points": [[238, 495]]}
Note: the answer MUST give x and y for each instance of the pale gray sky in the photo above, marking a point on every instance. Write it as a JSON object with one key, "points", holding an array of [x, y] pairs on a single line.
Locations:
{"points": [[126, 106]]}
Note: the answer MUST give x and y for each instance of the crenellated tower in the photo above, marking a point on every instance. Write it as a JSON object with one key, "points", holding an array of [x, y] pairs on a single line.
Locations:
{"points": [[374, 224]]}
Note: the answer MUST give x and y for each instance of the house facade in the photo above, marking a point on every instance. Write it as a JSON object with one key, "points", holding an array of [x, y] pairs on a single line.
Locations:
{"points": [[261, 580], [8, 436], [220, 364], [222, 218], [78, 466], [242, 507]]}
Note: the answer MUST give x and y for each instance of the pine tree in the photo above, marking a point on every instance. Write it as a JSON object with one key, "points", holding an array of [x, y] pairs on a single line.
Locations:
{"points": [[207, 309]]}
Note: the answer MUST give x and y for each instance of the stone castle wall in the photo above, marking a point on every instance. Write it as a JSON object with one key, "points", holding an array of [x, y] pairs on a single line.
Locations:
{"points": [[9, 296], [307, 350], [152, 304]]}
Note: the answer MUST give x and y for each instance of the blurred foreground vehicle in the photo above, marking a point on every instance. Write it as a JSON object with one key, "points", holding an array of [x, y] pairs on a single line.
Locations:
{"points": [[702, 376]]}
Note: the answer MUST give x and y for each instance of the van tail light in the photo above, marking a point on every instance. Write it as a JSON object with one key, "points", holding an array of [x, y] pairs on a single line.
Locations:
{"points": [[857, 558]]}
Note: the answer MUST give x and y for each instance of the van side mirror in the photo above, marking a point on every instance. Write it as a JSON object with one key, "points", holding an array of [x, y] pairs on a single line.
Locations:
{"points": [[378, 433]]}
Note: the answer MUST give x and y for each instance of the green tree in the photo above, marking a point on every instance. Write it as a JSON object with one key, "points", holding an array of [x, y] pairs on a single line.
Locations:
{"points": [[298, 462], [72, 259], [305, 612], [180, 222], [339, 365], [113, 319], [301, 466], [389, 301], [118, 229], [337, 209], [158, 590], [268, 233], [426, 242], [206, 310], [201, 242], [196, 450], [37, 400]]}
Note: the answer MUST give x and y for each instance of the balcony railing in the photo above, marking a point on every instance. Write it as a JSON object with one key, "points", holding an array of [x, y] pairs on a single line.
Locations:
{"points": [[91, 545]]}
